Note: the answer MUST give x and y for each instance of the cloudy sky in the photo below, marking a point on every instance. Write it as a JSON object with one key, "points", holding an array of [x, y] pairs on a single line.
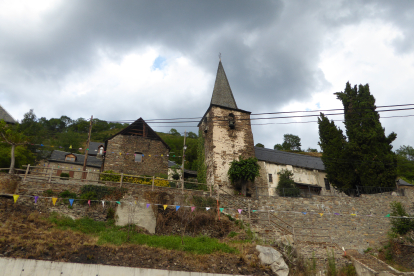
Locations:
{"points": [[121, 60]]}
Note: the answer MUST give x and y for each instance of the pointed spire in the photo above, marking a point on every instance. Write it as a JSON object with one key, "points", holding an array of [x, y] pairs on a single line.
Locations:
{"points": [[222, 94]]}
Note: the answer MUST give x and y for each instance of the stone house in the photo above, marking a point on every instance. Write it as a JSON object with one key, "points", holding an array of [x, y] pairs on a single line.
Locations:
{"points": [[71, 163], [136, 150], [308, 171]]}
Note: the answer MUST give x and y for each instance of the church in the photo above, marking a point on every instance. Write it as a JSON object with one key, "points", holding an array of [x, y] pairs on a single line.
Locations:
{"points": [[227, 134]]}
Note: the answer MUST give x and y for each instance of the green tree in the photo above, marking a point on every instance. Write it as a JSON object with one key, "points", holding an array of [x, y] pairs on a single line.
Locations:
{"points": [[286, 186], [311, 150], [291, 142], [278, 147], [243, 171], [174, 132], [192, 135], [364, 156], [405, 163], [259, 145], [400, 225], [12, 136]]}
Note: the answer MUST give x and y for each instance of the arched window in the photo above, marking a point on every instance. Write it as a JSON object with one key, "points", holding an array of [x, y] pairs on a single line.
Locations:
{"points": [[232, 121]]}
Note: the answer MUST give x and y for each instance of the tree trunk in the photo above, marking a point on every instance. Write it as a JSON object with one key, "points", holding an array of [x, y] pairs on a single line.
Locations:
{"points": [[244, 187], [11, 171]]}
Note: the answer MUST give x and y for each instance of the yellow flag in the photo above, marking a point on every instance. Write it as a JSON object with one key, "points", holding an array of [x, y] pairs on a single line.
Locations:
{"points": [[15, 197], [353, 214], [54, 199], [321, 214], [165, 207], [70, 146]]}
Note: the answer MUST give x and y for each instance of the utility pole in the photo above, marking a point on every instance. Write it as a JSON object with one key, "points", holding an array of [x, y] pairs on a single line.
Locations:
{"points": [[87, 150], [184, 148]]}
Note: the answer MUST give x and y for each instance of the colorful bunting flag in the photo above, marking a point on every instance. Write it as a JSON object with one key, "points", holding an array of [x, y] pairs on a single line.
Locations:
{"points": [[103, 203], [177, 207], [387, 216], [321, 214], [118, 202], [192, 208], [15, 197], [254, 211], [239, 210], [36, 198], [54, 199], [89, 202], [221, 210], [304, 213], [165, 207], [207, 208], [71, 201], [353, 214], [148, 205], [337, 214], [70, 146]]}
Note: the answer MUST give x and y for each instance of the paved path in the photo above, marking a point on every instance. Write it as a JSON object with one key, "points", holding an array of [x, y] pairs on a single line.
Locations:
{"points": [[25, 267]]}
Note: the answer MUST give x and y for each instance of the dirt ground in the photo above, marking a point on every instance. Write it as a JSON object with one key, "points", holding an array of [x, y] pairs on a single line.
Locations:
{"points": [[25, 233]]}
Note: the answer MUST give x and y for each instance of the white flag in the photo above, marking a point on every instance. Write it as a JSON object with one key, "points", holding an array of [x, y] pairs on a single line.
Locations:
{"points": [[103, 203], [207, 208]]}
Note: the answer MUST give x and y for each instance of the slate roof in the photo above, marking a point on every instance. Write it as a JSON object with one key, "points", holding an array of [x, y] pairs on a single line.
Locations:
{"points": [[93, 147], [288, 158], [222, 94], [401, 182], [59, 156], [6, 116]]}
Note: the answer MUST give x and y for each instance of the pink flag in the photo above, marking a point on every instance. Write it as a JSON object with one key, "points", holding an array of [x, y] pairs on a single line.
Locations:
{"points": [[89, 202], [192, 209], [239, 210]]}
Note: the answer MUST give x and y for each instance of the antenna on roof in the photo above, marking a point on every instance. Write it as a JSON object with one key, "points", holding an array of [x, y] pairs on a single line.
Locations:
{"points": [[220, 56]]}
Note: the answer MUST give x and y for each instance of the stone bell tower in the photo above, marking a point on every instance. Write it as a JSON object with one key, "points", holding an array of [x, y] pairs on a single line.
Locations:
{"points": [[227, 132]]}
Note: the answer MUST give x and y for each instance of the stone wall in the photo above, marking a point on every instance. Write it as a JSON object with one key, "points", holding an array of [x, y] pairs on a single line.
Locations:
{"points": [[154, 161], [223, 144], [360, 221], [8, 183]]}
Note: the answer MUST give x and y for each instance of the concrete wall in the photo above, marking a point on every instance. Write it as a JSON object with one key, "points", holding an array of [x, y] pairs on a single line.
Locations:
{"points": [[222, 145], [154, 161], [23, 267]]}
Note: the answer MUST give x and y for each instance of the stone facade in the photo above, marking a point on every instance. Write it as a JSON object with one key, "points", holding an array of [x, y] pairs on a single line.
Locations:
{"points": [[120, 157], [223, 144], [75, 171]]}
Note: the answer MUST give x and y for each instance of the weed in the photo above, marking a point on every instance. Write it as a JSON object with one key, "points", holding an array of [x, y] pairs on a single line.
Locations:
{"points": [[332, 270], [48, 193], [232, 234], [230, 218], [367, 250], [110, 214], [348, 270]]}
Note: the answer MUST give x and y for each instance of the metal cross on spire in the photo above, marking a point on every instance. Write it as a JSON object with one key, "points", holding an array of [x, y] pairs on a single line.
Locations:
{"points": [[220, 56]]}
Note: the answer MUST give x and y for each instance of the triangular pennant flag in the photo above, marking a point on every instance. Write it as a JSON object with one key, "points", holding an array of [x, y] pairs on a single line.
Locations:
{"points": [[239, 210], [304, 213], [135, 202], [70, 146], [15, 197], [71, 201], [353, 214], [221, 210], [207, 208], [36, 198], [192, 208], [54, 199], [89, 202], [103, 203], [118, 202], [336, 214], [165, 207], [177, 207], [254, 211], [321, 214], [148, 205], [387, 216]]}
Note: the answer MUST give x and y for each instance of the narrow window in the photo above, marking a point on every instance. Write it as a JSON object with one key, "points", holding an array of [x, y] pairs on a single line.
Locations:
{"points": [[270, 178], [138, 156], [232, 122], [100, 150], [327, 185]]}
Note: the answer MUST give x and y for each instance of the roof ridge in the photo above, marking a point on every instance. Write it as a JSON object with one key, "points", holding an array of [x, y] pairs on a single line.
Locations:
{"points": [[285, 152], [8, 114]]}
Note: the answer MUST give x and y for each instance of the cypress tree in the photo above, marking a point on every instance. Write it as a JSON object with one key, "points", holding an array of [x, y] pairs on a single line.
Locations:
{"points": [[364, 157]]}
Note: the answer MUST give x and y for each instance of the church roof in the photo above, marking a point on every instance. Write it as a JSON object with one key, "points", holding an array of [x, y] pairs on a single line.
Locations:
{"points": [[289, 158], [6, 116], [222, 94]]}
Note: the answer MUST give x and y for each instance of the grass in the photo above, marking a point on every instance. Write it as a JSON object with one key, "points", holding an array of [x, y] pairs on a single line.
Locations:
{"points": [[108, 233]]}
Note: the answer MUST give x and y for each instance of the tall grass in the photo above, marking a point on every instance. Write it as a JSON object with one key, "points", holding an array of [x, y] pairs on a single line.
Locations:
{"points": [[108, 233]]}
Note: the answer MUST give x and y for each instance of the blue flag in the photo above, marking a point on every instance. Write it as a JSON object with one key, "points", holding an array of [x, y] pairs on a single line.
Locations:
{"points": [[71, 201], [177, 207]]}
